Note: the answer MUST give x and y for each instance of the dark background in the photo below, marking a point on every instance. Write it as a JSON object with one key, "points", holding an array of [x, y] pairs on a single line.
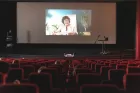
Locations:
{"points": [[125, 27]]}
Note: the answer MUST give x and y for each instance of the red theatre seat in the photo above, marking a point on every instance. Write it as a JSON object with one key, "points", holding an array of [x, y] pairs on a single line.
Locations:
{"points": [[22, 88], [15, 74], [55, 75], [43, 80], [99, 88], [88, 78], [104, 72], [97, 67], [132, 83], [116, 76], [121, 66], [133, 70], [83, 70], [4, 67], [27, 70]]}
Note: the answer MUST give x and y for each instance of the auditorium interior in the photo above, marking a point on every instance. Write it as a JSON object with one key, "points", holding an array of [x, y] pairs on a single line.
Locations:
{"points": [[73, 46]]}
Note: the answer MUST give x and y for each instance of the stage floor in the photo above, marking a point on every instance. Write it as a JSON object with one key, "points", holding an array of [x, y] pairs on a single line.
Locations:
{"points": [[108, 56], [112, 54]]}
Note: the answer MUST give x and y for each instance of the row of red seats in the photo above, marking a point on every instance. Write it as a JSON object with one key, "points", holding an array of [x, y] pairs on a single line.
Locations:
{"points": [[94, 76]]}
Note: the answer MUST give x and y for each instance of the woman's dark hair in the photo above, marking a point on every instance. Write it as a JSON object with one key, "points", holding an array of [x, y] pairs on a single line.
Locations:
{"points": [[65, 17]]}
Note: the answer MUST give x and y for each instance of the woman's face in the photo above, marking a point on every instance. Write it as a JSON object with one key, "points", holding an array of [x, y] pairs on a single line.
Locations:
{"points": [[66, 22]]}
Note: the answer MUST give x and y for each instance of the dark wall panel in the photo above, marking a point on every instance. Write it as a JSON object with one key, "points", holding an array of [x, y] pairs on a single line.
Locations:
{"points": [[126, 24], [4, 25], [13, 20]]}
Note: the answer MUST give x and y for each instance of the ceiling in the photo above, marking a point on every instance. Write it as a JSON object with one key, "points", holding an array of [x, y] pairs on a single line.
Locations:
{"points": [[70, 0]]}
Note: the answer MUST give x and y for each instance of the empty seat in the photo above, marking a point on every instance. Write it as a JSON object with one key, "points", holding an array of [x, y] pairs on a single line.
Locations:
{"points": [[133, 70], [43, 80], [22, 88], [88, 78], [104, 72], [55, 75], [97, 67], [99, 88], [15, 74], [27, 70], [132, 83], [116, 76]]}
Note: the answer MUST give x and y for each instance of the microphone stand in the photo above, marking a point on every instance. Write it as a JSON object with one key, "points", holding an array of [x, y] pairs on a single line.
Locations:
{"points": [[96, 39], [103, 46]]}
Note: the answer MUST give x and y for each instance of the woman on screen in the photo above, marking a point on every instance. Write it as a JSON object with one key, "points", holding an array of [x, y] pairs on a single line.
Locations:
{"points": [[67, 28]]}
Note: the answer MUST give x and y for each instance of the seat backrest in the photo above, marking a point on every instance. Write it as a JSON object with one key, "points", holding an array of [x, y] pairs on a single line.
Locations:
{"points": [[27, 70], [88, 78], [43, 80], [22, 88], [37, 66], [89, 64], [97, 67], [132, 83], [83, 70], [116, 74], [99, 88], [132, 64], [15, 74], [121, 66], [57, 67], [107, 63], [104, 72], [133, 70], [4, 67], [15, 65], [113, 65], [93, 66], [55, 75]]}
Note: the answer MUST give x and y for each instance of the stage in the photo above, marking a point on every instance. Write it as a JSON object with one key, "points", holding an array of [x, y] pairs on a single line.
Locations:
{"points": [[95, 54]]}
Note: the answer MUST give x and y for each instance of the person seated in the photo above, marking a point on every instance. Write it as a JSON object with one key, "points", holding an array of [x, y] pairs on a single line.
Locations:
{"points": [[41, 68], [57, 62], [15, 62], [74, 70], [16, 82]]}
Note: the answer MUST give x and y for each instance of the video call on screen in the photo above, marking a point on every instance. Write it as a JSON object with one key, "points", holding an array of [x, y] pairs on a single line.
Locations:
{"points": [[66, 23]]}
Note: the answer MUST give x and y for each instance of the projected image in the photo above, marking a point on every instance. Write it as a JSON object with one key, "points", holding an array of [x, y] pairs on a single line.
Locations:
{"points": [[68, 22]]}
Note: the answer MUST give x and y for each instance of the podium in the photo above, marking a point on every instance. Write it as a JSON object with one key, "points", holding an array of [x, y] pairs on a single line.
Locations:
{"points": [[103, 46]]}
